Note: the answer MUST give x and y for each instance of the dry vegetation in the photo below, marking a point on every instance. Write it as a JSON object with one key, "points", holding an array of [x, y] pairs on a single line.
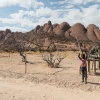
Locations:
{"points": [[67, 75]]}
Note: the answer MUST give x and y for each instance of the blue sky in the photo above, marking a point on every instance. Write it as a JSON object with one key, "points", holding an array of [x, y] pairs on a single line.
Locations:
{"points": [[25, 15]]}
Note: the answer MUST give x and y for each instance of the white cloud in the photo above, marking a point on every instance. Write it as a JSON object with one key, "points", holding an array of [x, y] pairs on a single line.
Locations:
{"points": [[31, 4], [72, 15], [14, 28], [59, 2], [5, 3], [40, 14], [86, 16], [91, 11], [77, 2], [23, 22], [74, 2], [9, 21], [91, 15], [22, 3], [18, 15], [43, 11]]}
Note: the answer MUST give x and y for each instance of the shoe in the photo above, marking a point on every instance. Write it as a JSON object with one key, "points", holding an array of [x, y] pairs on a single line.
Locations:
{"points": [[82, 81], [85, 80]]}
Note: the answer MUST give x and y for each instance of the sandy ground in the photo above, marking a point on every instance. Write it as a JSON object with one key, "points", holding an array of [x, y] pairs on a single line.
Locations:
{"points": [[44, 83], [14, 89]]}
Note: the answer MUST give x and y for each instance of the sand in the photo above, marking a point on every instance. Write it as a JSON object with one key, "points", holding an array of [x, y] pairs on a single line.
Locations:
{"points": [[44, 83]]}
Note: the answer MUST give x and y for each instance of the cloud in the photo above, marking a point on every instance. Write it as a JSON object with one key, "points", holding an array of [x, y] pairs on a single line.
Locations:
{"points": [[5, 3], [32, 18], [22, 3], [74, 2], [29, 16], [23, 22], [14, 28], [41, 12], [59, 2], [91, 14], [18, 15], [38, 13], [31, 4], [86, 16]]}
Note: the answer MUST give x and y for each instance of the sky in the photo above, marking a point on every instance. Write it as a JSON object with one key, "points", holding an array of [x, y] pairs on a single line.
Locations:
{"points": [[25, 15]]}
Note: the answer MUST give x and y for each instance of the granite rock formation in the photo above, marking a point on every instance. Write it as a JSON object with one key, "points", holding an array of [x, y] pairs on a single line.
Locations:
{"points": [[43, 35]]}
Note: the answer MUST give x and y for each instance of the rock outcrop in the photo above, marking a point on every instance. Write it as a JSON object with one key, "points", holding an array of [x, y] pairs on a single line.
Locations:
{"points": [[93, 33], [60, 29], [43, 35], [78, 31]]}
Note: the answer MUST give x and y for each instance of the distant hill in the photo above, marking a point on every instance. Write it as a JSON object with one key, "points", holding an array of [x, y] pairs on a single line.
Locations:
{"points": [[63, 33]]}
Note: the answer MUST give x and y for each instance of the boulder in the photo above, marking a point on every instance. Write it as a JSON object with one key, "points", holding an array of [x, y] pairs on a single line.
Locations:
{"points": [[47, 26], [67, 34], [93, 33], [60, 29], [6, 32], [64, 26], [78, 31]]}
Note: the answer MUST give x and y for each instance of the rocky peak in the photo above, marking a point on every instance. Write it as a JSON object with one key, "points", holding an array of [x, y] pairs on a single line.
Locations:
{"points": [[93, 33], [78, 30], [64, 26], [6, 31], [64, 33], [49, 22]]}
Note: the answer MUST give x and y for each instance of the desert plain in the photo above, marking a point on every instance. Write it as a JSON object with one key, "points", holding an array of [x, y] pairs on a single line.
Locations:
{"points": [[44, 83]]}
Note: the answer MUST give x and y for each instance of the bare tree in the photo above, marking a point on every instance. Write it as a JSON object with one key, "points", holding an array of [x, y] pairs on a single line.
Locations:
{"points": [[24, 59], [20, 48], [51, 59]]}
